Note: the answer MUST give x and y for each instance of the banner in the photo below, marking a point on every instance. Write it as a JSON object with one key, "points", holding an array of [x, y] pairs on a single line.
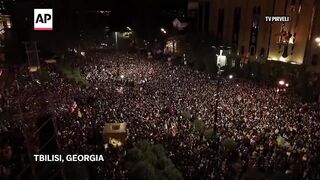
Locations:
{"points": [[74, 106]]}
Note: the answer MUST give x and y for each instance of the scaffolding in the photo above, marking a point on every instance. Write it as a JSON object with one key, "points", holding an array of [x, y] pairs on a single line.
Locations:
{"points": [[33, 56]]}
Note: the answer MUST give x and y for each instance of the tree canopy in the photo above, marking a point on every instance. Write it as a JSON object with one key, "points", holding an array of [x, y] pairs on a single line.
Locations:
{"points": [[149, 162]]}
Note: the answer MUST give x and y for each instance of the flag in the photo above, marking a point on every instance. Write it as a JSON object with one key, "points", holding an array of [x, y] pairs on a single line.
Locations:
{"points": [[74, 106], [171, 110], [173, 129], [245, 58], [120, 90], [165, 126], [79, 113], [282, 142]]}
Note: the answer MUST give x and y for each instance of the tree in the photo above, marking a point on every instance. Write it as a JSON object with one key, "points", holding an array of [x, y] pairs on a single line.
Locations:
{"points": [[229, 144], [208, 134], [253, 174], [186, 115], [202, 55], [14, 50], [149, 162], [199, 125]]}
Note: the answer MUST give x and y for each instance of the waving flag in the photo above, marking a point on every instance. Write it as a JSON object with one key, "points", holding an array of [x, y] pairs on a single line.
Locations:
{"points": [[173, 129], [79, 113], [282, 142], [171, 110], [74, 106]]}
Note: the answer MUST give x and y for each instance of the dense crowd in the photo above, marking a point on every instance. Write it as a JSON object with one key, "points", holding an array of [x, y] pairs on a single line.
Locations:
{"points": [[151, 96]]}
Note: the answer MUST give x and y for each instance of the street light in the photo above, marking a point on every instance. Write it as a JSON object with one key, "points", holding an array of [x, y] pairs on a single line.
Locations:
{"points": [[317, 39], [163, 31], [281, 82], [116, 39]]}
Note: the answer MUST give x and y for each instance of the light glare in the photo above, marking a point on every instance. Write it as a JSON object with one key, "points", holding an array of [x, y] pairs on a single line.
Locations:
{"points": [[281, 82]]}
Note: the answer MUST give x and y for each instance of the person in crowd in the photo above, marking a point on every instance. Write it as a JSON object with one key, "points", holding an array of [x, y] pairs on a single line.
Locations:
{"points": [[273, 131]]}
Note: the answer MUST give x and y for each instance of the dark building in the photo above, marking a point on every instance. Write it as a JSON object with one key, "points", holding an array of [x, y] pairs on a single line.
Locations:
{"points": [[198, 12], [242, 24]]}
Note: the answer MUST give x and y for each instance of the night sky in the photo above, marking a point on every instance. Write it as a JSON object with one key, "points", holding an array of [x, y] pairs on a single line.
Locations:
{"points": [[142, 15]]}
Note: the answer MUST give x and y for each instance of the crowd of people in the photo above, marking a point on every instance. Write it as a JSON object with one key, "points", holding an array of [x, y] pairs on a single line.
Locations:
{"points": [[274, 131]]}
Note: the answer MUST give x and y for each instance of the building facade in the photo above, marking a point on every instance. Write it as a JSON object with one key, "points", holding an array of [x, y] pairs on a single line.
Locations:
{"points": [[243, 25], [199, 11], [5, 21]]}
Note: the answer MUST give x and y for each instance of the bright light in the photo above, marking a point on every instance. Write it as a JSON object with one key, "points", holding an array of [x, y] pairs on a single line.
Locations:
{"points": [[319, 44], [221, 59], [287, 84], [291, 41], [83, 53], [317, 39], [230, 76], [122, 76], [281, 82], [283, 59], [163, 30], [129, 28]]}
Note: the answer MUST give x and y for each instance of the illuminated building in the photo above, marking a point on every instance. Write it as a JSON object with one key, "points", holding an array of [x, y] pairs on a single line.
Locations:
{"points": [[242, 24], [4, 24]]}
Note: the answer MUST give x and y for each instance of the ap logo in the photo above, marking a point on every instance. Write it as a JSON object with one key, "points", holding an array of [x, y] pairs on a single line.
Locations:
{"points": [[43, 19]]}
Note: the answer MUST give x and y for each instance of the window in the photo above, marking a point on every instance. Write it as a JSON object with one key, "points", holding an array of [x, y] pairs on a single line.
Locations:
{"points": [[315, 60], [220, 23], [242, 50], [236, 26], [262, 52], [252, 51], [204, 16], [256, 13]]}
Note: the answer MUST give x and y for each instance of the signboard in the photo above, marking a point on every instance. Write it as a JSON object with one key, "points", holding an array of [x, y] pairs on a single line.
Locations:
{"points": [[115, 134]]}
